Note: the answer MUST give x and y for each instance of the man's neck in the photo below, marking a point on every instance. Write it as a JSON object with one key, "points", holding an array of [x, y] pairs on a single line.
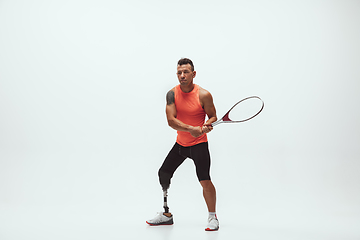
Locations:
{"points": [[187, 88]]}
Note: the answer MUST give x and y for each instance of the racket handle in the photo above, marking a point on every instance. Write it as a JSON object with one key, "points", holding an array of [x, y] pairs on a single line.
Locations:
{"points": [[215, 123]]}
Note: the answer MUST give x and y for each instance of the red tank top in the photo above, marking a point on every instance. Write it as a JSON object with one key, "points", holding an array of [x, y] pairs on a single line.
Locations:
{"points": [[189, 111]]}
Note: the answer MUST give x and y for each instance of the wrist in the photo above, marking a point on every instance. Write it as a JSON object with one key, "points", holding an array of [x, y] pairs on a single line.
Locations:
{"points": [[190, 128]]}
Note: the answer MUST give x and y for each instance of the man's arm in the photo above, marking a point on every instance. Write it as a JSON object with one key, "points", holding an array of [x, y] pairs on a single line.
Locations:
{"points": [[173, 121], [209, 108]]}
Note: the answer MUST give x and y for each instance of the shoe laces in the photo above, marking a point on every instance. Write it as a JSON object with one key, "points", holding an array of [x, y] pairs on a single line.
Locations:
{"points": [[158, 217], [212, 218]]}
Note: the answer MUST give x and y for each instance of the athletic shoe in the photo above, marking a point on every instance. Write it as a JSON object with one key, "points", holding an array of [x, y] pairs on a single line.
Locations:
{"points": [[160, 219], [213, 224]]}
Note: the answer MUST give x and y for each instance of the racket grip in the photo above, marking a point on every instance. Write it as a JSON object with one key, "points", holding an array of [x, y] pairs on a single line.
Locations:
{"points": [[214, 123]]}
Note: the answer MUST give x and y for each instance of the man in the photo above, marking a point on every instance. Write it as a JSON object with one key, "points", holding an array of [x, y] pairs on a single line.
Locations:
{"points": [[187, 104]]}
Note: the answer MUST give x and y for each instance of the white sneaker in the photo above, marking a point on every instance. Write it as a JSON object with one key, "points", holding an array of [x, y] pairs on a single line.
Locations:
{"points": [[160, 219], [213, 224]]}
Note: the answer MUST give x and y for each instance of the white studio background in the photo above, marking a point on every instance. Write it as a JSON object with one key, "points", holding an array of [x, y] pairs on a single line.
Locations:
{"points": [[83, 129]]}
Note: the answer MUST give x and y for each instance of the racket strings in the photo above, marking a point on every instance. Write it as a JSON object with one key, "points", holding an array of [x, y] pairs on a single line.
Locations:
{"points": [[244, 110]]}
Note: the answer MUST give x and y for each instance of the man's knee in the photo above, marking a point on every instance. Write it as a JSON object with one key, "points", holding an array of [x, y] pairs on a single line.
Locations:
{"points": [[164, 178], [207, 184]]}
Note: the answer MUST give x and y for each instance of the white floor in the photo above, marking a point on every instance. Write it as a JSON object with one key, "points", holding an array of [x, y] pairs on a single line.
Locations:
{"points": [[89, 203], [113, 222]]}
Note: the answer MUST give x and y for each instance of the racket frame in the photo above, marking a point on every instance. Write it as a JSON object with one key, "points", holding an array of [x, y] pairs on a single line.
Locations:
{"points": [[226, 119]]}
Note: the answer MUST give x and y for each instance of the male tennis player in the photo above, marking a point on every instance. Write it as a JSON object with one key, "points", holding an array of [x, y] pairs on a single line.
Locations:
{"points": [[187, 104]]}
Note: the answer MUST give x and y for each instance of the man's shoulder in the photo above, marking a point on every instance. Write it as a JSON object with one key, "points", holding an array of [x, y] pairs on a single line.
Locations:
{"points": [[203, 93], [172, 90]]}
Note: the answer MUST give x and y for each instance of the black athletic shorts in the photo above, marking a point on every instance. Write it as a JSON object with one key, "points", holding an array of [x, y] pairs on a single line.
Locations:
{"points": [[199, 153]]}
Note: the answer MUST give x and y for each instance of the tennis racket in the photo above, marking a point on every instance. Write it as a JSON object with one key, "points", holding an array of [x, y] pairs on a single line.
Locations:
{"points": [[242, 111]]}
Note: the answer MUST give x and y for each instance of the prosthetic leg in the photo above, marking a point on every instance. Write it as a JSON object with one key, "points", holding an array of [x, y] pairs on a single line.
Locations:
{"points": [[166, 208], [162, 218], [164, 179]]}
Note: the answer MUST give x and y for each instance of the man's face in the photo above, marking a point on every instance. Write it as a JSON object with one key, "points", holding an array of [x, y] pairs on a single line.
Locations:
{"points": [[184, 74]]}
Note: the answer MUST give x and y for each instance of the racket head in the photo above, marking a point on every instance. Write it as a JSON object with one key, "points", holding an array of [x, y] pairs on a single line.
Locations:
{"points": [[243, 110]]}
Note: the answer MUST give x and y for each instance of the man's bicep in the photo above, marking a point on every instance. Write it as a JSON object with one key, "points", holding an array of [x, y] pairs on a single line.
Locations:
{"points": [[170, 104], [211, 111], [170, 111], [170, 97], [209, 106]]}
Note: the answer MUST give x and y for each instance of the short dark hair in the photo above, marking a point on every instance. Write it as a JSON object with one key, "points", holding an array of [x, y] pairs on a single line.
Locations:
{"points": [[185, 61]]}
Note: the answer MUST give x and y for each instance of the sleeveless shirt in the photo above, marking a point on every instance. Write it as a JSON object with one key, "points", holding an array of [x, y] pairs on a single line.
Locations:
{"points": [[189, 111]]}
